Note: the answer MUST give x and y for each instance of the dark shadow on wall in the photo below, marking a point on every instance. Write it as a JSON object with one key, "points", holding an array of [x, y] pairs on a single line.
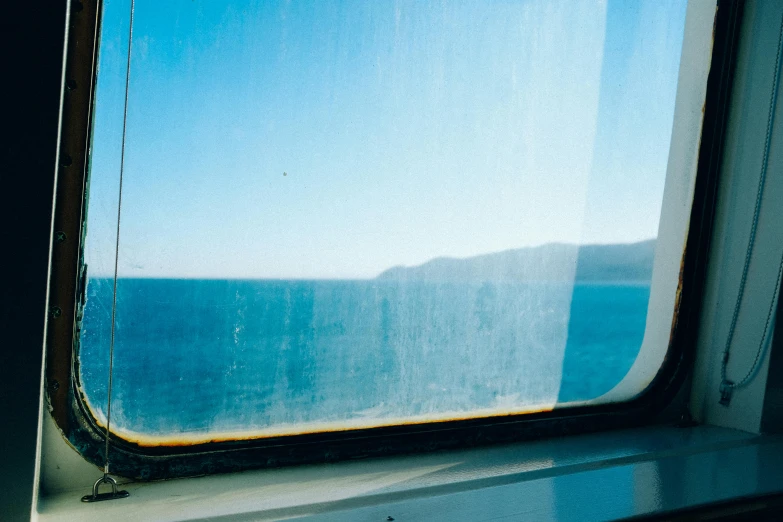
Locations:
{"points": [[32, 61]]}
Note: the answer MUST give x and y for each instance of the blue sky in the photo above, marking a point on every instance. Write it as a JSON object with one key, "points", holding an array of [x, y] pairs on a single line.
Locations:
{"points": [[406, 131]]}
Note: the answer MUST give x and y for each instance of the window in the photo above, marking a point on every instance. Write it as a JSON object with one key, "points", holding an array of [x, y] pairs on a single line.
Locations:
{"points": [[378, 220]]}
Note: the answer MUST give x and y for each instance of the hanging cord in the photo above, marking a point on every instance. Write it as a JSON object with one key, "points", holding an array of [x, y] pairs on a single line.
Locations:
{"points": [[727, 387], [117, 244], [106, 479]]}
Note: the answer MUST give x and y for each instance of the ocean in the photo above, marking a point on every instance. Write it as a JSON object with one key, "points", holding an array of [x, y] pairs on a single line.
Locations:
{"points": [[215, 356]]}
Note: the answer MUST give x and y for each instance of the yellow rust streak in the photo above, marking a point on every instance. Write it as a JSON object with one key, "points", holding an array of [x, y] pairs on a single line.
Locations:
{"points": [[677, 300], [285, 430]]}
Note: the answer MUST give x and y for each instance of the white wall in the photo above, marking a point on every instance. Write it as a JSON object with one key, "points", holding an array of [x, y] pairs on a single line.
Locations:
{"points": [[734, 210]]}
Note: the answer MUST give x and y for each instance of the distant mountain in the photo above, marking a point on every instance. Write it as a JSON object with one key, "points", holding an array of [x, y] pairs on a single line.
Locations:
{"points": [[624, 262], [551, 262]]}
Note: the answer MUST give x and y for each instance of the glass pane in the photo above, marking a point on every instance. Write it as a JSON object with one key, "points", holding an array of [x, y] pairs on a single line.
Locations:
{"points": [[355, 214]]}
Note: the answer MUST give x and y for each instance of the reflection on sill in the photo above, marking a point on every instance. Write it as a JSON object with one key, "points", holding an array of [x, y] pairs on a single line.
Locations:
{"points": [[416, 484]]}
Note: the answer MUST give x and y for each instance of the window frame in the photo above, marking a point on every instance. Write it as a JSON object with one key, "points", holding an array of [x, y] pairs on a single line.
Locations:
{"points": [[663, 399]]}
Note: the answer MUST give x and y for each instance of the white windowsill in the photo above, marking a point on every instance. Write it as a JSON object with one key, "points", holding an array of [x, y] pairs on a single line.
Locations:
{"points": [[589, 477]]}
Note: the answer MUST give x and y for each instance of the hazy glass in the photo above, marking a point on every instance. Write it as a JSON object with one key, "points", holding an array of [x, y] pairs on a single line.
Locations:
{"points": [[354, 214]]}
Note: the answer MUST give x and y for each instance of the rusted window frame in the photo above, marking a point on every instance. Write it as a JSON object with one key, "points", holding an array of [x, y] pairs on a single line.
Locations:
{"points": [[68, 279]]}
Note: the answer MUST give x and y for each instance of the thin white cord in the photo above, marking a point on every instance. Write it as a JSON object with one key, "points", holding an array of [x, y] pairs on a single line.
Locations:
{"points": [[727, 386], [117, 244]]}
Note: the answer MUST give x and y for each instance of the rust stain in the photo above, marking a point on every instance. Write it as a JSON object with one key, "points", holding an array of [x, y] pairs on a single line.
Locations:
{"points": [[66, 251], [184, 440], [678, 294], [678, 297]]}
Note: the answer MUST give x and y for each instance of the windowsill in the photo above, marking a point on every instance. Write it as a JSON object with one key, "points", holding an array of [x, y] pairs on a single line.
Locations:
{"points": [[596, 476]]}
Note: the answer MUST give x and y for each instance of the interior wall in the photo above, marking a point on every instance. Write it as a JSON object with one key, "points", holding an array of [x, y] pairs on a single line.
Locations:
{"points": [[740, 170], [32, 72]]}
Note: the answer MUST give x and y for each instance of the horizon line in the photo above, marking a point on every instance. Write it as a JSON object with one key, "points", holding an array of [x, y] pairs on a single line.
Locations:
{"points": [[353, 278]]}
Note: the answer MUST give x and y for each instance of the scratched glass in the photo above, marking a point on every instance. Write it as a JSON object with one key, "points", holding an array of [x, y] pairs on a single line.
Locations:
{"points": [[355, 214]]}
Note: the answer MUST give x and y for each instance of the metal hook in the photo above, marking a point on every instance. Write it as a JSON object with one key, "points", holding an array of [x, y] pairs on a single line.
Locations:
{"points": [[97, 497], [726, 390]]}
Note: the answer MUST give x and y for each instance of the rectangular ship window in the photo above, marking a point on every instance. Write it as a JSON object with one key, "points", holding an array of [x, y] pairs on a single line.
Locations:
{"points": [[344, 215]]}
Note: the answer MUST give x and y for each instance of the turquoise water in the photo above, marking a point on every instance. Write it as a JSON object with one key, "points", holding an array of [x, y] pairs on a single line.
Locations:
{"points": [[194, 356]]}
